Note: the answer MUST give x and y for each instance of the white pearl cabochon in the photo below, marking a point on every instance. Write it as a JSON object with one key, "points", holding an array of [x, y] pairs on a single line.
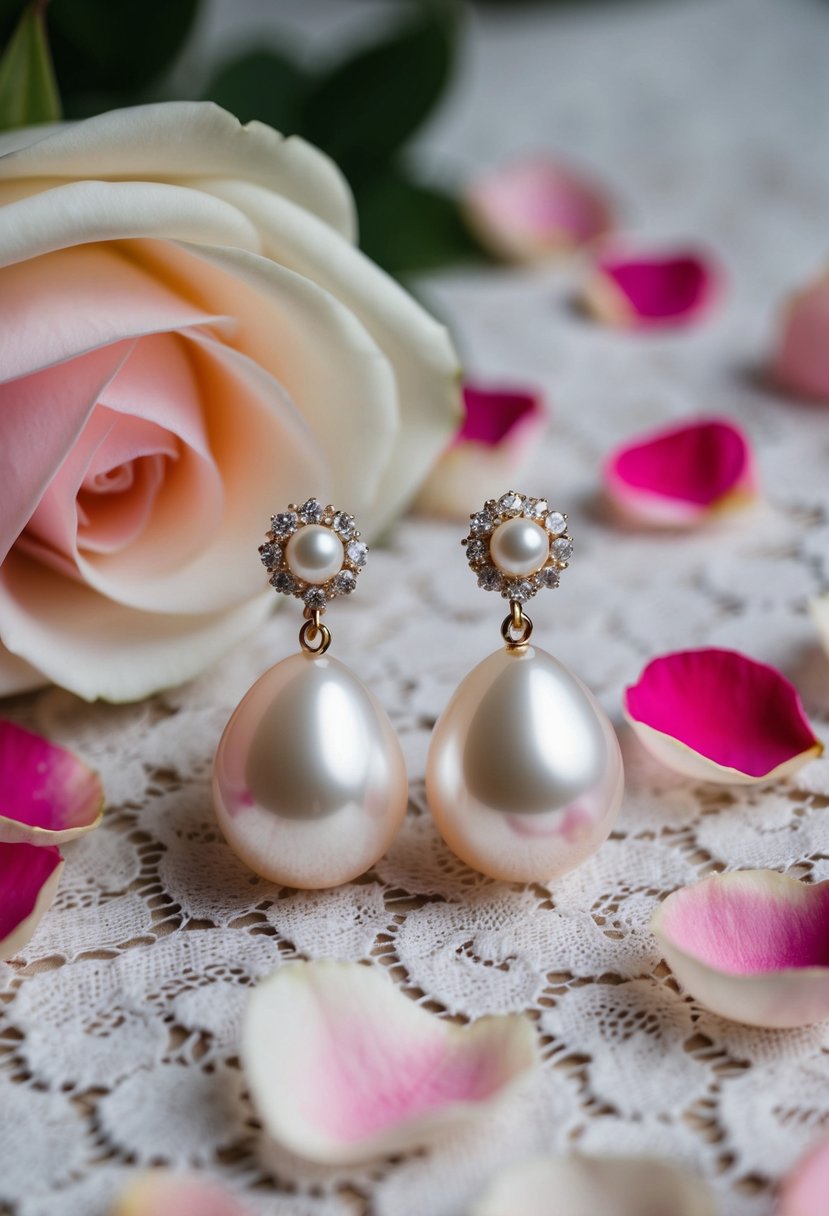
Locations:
{"points": [[309, 781], [524, 775]]}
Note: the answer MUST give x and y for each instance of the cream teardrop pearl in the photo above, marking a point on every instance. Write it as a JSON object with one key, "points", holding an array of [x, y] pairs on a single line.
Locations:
{"points": [[309, 780], [524, 775]]}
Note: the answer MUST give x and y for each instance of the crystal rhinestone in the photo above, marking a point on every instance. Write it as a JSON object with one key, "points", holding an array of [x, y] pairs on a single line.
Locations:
{"points": [[315, 597], [536, 508], [510, 504], [489, 578], [476, 551], [284, 524], [562, 549], [270, 554], [344, 524], [548, 577], [283, 581], [481, 523], [520, 591], [356, 552], [344, 582], [556, 523], [311, 511]]}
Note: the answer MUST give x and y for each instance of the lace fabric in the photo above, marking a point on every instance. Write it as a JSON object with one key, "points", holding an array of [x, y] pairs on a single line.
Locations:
{"points": [[119, 1024]]}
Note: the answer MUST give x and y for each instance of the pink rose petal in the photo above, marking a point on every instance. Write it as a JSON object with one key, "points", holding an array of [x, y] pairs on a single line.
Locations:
{"points": [[806, 1190], [343, 1067], [534, 207], [500, 427], [649, 291], [162, 1193], [717, 715], [801, 360], [682, 475], [29, 879], [595, 1186], [47, 795], [752, 946]]}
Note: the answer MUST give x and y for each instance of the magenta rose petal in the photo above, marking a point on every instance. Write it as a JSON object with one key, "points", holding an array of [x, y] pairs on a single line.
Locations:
{"points": [[495, 439], [800, 363], [163, 1193], [649, 291], [29, 878], [682, 475], [535, 207], [344, 1068], [805, 1190], [47, 795], [751, 945], [717, 715]]}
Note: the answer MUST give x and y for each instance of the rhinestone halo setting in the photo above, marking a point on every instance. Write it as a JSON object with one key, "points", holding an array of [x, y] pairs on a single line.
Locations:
{"points": [[484, 524], [274, 557]]}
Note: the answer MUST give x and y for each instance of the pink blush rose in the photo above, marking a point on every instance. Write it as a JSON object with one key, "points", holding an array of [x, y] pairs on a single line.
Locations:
{"points": [[188, 340]]}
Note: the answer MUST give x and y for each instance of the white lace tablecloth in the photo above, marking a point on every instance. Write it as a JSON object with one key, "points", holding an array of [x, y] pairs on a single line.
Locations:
{"points": [[119, 1026]]}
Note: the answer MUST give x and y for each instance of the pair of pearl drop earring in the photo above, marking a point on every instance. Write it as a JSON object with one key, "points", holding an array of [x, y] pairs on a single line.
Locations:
{"points": [[524, 774]]}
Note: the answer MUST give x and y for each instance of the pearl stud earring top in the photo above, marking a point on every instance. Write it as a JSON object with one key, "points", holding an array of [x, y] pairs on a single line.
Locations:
{"points": [[517, 545]]}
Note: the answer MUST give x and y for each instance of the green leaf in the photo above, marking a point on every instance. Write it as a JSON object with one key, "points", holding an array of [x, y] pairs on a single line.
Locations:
{"points": [[262, 85], [407, 227], [28, 93], [364, 109], [116, 46]]}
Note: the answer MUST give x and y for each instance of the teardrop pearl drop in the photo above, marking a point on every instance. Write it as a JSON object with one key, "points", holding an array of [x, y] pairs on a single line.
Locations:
{"points": [[309, 780], [524, 775]]}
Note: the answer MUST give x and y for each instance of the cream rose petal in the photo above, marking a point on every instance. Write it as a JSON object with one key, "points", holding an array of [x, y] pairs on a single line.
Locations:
{"points": [[344, 1068], [595, 1186], [751, 945], [425, 366], [16, 675], [47, 794], [98, 648], [177, 140], [29, 877], [163, 1193]]}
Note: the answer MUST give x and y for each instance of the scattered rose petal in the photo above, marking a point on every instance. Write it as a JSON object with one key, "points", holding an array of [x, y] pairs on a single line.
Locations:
{"points": [[820, 615], [682, 475], [751, 945], [343, 1067], [806, 1189], [29, 879], [717, 715], [801, 362], [500, 427], [595, 1186], [535, 207], [161, 1193], [648, 291], [47, 795]]}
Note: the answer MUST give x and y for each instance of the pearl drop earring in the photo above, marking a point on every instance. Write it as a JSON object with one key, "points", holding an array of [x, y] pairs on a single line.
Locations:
{"points": [[524, 774], [309, 781]]}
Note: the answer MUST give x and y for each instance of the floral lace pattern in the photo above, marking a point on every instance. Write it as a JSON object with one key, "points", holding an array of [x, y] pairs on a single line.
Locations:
{"points": [[119, 1025]]}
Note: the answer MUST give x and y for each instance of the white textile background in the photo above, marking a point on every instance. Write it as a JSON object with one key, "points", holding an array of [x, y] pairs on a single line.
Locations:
{"points": [[119, 1025]]}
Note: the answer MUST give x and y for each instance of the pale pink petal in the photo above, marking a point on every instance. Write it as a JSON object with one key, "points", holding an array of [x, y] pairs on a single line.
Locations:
{"points": [[496, 438], [343, 1067], [800, 363], [47, 795], [806, 1190], [595, 1186], [29, 877], [717, 715], [751, 945], [682, 475], [534, 207], [162, 1193], [648, 291]]}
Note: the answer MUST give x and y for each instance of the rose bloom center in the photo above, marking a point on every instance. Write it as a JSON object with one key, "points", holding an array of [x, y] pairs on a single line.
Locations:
{"points": [[519, 547], [314, 553]]}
